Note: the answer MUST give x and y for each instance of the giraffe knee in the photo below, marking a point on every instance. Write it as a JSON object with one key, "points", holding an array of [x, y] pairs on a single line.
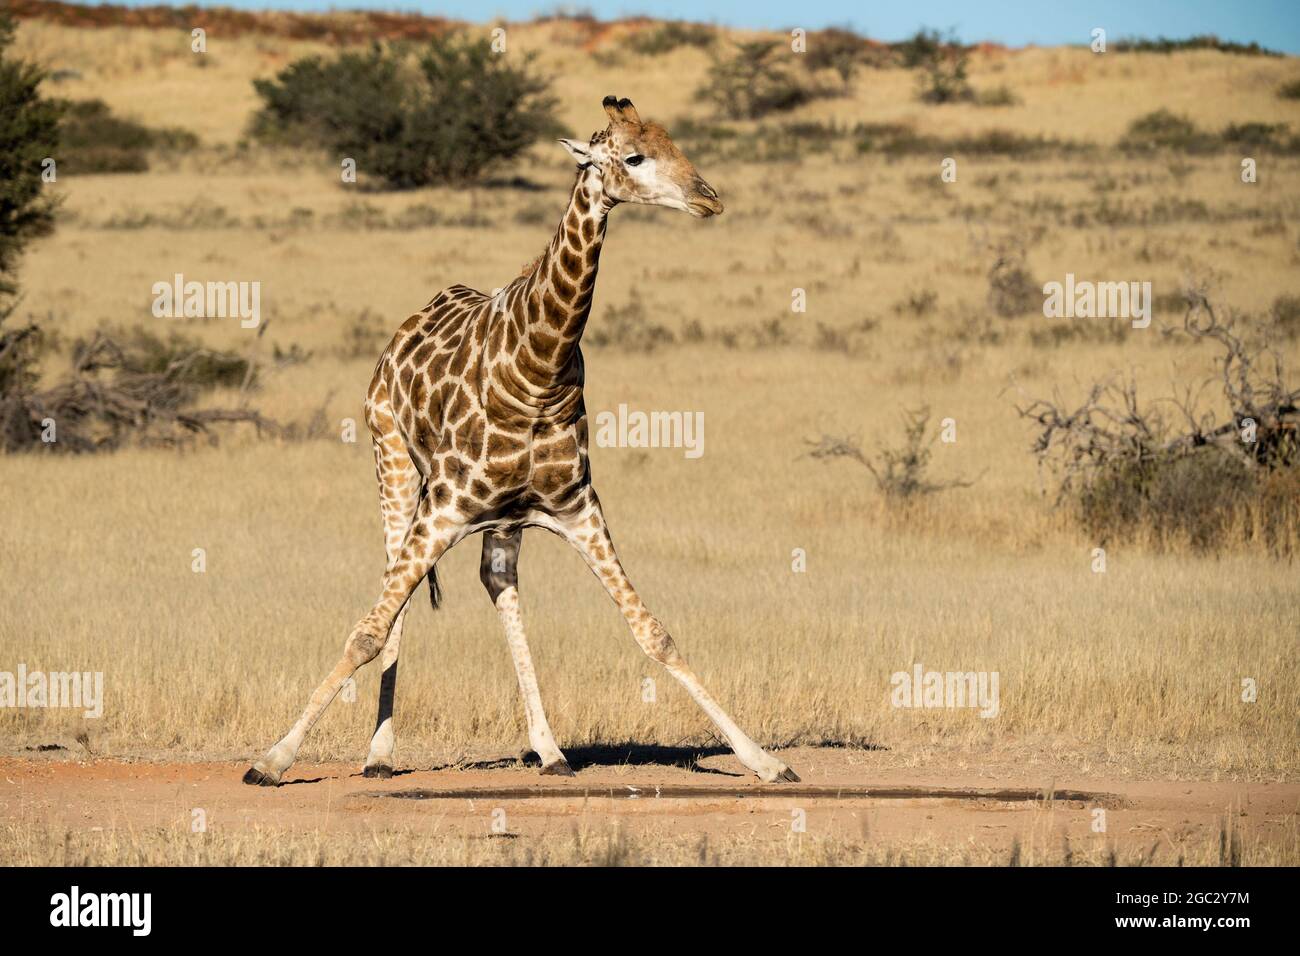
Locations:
{"points": [[658, 643], [364, 645]]}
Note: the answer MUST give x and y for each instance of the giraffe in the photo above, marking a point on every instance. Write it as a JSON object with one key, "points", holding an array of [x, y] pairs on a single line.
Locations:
{"points": [[478, 425]]}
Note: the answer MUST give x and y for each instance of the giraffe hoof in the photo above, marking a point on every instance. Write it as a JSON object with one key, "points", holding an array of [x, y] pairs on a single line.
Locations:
{"points": [[559, 768], [788, 775], [380, 771], [255, 778]]}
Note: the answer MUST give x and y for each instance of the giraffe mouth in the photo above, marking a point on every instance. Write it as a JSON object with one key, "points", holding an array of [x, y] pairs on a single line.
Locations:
{"points": [[704, 208]]}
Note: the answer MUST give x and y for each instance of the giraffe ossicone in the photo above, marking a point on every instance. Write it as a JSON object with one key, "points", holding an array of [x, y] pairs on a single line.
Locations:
{"points": [[478, 424]]}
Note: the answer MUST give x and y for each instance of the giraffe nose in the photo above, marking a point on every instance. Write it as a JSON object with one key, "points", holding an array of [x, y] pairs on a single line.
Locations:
{"points": [[704, 199]]}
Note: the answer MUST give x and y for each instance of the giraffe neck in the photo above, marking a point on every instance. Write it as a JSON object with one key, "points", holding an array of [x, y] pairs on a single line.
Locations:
{"points": [[563, 280]]}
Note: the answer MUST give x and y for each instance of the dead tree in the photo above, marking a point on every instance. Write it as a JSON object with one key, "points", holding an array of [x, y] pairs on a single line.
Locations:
{"points": [[105, 402], [899, 473], [1112, 428]]}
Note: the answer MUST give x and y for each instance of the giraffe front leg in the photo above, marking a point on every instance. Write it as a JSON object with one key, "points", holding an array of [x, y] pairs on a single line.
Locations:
{"points": [[498, 570], [588, 533], [399, 498], [420, 551]]}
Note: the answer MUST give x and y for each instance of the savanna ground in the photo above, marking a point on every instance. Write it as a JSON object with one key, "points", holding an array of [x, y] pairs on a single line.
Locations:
{"points": [[1125, 684]]}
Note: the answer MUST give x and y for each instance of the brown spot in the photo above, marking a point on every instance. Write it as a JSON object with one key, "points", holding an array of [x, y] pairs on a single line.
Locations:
{"points": [[457, 471], [563, 287], [410, 345], [556, 315], [459, 406], [551, 478], [572, 263], [422, 354], [501, 444], [456, 368], [507, 473], [544, 345]]}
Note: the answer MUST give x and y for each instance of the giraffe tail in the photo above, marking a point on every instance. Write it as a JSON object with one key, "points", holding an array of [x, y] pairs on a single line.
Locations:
{"points": [[435, 589]]}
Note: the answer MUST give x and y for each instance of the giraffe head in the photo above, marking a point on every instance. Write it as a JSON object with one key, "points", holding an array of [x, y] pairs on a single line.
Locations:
{"points": [[638, 162]]}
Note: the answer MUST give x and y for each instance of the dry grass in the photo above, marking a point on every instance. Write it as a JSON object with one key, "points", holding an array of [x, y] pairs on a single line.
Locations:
{"points": [[1139, 668], [581, 844]]}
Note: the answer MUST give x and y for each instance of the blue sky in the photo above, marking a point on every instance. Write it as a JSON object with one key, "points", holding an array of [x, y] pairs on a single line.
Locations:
{"points": [[1272, 23]]}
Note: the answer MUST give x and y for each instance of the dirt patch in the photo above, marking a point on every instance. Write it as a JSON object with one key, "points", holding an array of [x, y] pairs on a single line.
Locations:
{"points": [[973, 817]]}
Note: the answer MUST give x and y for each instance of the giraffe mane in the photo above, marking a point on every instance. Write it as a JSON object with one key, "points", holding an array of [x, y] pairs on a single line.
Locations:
{"points": [[531, 265]]}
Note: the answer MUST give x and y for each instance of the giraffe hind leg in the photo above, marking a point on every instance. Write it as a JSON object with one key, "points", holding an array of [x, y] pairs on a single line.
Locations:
{"points": [[424, 544]]}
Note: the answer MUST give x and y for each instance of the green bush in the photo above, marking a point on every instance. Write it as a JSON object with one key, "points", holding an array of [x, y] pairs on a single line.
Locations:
{"points": [[93, 140], [1199, 498], [1286, 316], [449, 117], [1165, 130], [143, 352], [29, 133], [1201, 42], [1289, 91], [942, 62], [997, 96], [669, 36], [755, 82], [836, 49], [1256, 135]]}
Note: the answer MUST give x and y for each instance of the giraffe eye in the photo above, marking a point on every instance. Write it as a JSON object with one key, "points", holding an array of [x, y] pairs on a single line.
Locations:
{"points": [[634, 160]]}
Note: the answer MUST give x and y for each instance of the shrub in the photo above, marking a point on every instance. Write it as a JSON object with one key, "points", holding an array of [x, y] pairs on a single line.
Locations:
{"points": [[1165, 130], [669, 36], [455, 113], [1203, 41], [836, 49], [1195, 498], [1286, 316], [899, 473], [185, 360], [1012, 290], [920, 48], [628, 327], [1290, 90], [1125, 472], [365, 336], [137, 389], [943, 62], [754, 82], [96, 141], [1256, 135], [29, 132], [997, 96]]}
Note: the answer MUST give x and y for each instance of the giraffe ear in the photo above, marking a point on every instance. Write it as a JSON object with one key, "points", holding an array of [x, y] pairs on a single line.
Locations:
{"points": [[628, 111], [621, 111], [577, 150]]}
